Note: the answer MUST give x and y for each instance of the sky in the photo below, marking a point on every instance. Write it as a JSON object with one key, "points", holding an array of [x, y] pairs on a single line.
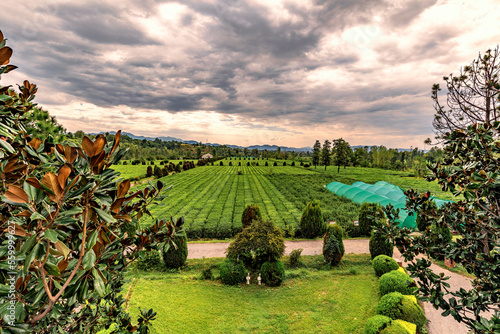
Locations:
{"points": [[283, 72]]}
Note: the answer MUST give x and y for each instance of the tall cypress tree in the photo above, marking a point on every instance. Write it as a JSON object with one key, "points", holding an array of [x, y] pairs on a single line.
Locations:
{"points": [[325, 153], [316, 153]]}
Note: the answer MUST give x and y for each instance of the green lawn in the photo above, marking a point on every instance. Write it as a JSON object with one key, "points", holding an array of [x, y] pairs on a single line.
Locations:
{"points": [[315, 299]]}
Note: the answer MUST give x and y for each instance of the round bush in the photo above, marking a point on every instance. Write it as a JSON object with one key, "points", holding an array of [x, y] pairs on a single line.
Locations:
{"points": [[396, 306], [333, 245], [176, 256], [251, 213], [311, 223], [376, 323], [396, 281], [379, 245], [273, 273], [394, 328], [232, 272], [383, 264]]}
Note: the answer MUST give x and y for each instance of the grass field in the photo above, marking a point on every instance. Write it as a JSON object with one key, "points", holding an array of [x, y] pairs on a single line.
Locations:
{"points": [[212, 198], [311, 300]]}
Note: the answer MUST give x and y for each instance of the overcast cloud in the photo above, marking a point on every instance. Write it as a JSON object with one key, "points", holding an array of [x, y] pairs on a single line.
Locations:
{"points": [[247, 72]]}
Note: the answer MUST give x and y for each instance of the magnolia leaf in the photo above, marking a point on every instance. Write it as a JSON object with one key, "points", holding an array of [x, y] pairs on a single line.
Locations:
{"points": [[34, 182], [30, 258], [62, 176], [105, 216], [70, 153], [50, 181], [98, 283], [123, 188], [37, 215], [88, 146], [92, 239], [89, 260], [62, 248], [16, 194], [116, 141], [98, 145], [52, 269], [5, 54], [51, 235]]}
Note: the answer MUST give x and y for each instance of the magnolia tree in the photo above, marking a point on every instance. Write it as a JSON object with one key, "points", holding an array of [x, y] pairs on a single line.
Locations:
{"points": [[70, 227], [470, 170]]}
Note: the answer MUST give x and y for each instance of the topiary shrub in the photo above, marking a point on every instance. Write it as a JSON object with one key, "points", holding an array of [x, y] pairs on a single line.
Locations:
{"points": [[311, 223], [396, 281], [275, 164], [295, 257], [266, 164], [232, 272], [150, 261], [284, 163], [380, 245], [273, 272], [333, 245], [401, 326], [397, 306], [251, 213], [366, 217], [260, 242], [394, 328], [383, 264], [377, 323], [175, 256]]}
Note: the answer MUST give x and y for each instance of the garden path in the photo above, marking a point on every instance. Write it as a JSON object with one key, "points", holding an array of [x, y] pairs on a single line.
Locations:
{"points": [[437, 324]]}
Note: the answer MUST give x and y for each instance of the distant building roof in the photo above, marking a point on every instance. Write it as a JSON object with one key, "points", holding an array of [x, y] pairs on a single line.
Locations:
{"points": [[207, 156]]}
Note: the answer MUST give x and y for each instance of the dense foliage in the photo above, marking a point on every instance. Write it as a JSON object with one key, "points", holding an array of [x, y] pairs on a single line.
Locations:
{"points": [[258, 243], [333, 245], [176, 255], [251, 213], [312, 224], [396, 281], [367, 217], [380, 245], [470, 169], [232, 271], [273, 272], [398, 306], [376, 324], [69, 226], [383, 264]]}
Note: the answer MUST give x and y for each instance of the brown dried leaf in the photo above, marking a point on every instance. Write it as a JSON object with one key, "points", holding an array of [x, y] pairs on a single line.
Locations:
{"points": [[123, 189], [50, 181], [34, 182], [88, 146], [5, 54], [62, 176], [115, 207], [70, 153], [98, 145], [60, 148], [16, 194], [116, 141], [62, 265], [35, 143]]}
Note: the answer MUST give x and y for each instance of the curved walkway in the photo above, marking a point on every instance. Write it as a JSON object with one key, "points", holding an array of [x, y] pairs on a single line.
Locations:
{"points": [[437, 324]]}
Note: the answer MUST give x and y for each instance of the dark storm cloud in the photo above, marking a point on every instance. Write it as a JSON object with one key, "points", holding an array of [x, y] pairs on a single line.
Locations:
{"points": [[233, 57]]}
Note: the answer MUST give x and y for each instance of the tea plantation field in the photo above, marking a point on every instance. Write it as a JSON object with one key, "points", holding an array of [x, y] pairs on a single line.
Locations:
{"points": [[212, 198]]}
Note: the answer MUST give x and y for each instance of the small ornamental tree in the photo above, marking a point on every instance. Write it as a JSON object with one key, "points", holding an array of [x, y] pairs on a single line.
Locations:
{"points": [[259, 243], [251, 213], [176, 255], [149, 171], [69, 226], [312, 224], [470, 170], [316, 153]]}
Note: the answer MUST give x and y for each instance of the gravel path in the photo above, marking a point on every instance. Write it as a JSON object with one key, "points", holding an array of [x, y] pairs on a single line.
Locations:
{"points": [[437, 324]]}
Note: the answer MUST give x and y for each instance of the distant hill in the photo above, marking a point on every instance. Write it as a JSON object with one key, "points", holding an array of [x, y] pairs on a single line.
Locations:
{"points": [[259, 147]]}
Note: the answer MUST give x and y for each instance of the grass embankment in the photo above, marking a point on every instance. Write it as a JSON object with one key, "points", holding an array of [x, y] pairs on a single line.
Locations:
{"points": [[313, 299]]}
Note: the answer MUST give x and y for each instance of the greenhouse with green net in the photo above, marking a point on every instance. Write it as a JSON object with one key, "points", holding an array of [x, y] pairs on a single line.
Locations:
{"points": [[383, 193]]}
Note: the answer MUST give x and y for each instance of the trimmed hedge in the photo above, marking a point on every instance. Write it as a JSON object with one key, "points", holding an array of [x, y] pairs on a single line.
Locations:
{"points": [[232, 272], [383, 264], [376, 323], [333, 245], [397, 306], [273, 273], [379, 245], [176, 256], [396, 281]]}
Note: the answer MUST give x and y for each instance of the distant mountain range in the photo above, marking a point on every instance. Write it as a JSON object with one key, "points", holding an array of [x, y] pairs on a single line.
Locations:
{"points": [[259, 147], [168, 138]]}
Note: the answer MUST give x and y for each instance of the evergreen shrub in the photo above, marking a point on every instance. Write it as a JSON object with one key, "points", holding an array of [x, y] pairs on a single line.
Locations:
{"points": [[333, 245], [176, 256], [398, 306], [396, 281], [150, 261], [380, 245], [251, 213], [366, 217], [232, 271], [273, 272], [383, 264], [312, 224], [376, 323]]}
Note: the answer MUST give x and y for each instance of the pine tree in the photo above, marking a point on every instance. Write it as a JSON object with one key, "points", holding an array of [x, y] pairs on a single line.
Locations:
{"points": [[325, 153]]}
